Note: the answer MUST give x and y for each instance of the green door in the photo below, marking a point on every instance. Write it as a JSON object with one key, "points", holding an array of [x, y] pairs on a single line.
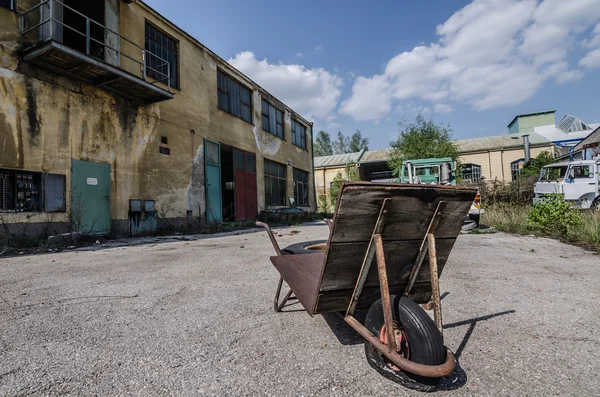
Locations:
{"points": [[212, 171], [90, 200]]}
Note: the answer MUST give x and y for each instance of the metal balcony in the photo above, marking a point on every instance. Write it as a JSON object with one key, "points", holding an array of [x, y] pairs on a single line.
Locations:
{"points": [[116, 64]]}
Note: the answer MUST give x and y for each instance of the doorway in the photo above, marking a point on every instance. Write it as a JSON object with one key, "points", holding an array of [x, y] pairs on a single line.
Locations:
{"points": [[90, 200], [238, 185], [94, 10]]}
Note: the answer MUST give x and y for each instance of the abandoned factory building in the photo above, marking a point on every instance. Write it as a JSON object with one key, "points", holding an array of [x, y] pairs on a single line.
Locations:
{"points": [[114, 120]]}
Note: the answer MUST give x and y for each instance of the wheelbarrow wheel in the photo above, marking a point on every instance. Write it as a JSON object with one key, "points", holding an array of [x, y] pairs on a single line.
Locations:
{"points": [[418, 339], [306, 247]]}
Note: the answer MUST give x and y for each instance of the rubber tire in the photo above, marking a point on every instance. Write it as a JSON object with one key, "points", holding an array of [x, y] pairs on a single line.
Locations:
{"points": [[424, 341], [596, 204], [299, 248]]}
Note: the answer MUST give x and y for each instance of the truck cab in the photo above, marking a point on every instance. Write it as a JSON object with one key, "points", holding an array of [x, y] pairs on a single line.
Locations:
{"points": [[577, 181]]}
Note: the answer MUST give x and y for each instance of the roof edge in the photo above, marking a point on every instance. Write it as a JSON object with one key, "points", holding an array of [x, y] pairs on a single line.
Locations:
{"points": [[530, 114]]}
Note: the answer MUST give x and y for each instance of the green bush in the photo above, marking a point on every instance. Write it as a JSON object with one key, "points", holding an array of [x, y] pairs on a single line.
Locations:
{"points": [[554, 214]]}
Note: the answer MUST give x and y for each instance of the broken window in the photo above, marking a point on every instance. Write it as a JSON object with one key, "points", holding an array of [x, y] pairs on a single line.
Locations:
{"points": [[161, 56], [581, 172], [10, 4], [272, 119], [301, 187], [234, 98], [298, 134], [471, 173], [275, 183], [515, 168]]}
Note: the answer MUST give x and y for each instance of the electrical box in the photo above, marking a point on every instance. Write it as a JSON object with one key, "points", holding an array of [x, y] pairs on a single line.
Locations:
{"points": [[20, 191]]}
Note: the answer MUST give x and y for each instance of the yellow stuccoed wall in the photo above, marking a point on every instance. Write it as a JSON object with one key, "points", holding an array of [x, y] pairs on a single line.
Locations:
{"points": [[47, 120]]}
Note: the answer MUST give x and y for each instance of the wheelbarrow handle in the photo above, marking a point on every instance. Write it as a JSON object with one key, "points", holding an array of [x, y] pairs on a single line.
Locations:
{"points": [[271, 236]]}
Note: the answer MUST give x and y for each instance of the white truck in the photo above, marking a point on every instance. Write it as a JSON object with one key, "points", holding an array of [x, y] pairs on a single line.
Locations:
{"points": [[578, 181]]}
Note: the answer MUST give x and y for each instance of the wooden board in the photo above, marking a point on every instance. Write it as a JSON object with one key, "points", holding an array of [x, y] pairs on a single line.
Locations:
{"points": [[409, 213]]}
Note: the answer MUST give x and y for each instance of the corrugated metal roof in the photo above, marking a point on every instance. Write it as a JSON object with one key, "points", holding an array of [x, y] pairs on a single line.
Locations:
{"points": [[338, 159], [500, 142], [376, 156], [592, 139]]}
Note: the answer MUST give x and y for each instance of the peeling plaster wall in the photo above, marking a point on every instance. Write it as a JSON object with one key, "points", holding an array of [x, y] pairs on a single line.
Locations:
{"points": [[47, 120]]}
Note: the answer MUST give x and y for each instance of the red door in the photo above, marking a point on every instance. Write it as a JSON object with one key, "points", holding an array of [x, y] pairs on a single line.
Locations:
{"points": [[250, 188], [245, 190]]}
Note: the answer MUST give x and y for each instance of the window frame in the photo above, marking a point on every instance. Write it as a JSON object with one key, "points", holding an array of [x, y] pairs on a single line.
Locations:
{"points": [[12, 7], [267, 127], [516, 171], [268, 195], [302, 135], [227, 91], [478, 173], [301, 183], [177, 81]]}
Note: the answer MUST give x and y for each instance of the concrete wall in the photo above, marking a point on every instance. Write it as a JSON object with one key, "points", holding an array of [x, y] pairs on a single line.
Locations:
{"points": [[495, 164], [47, 120]]}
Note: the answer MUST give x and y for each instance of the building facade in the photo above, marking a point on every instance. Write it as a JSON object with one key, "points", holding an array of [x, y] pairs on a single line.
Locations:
{"points": [[114, 120]]}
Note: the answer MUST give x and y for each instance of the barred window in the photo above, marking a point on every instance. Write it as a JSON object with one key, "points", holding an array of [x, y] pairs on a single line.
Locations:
{"points": [[471, 173], [272, 119], [298, 134], [160, 50], [515, 168], [234, 98]]}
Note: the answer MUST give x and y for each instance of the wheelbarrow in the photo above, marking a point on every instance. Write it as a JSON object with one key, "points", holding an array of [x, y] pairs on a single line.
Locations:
{"points": [[398, 227]]}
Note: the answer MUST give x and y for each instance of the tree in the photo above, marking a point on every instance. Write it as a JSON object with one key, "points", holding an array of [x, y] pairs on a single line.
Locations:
{"points": [[358, 143], [340, 145], [323, 144], [422, 139]]}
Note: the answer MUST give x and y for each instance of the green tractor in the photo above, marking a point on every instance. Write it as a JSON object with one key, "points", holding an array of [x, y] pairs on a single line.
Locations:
{"points": [[437, 171]]}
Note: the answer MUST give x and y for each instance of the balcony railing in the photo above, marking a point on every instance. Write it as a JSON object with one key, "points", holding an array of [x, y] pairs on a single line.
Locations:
{"points": [[45, 23]]}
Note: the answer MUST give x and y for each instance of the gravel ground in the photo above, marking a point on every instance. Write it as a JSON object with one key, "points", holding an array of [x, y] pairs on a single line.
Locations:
{"points": [[195, 318]]}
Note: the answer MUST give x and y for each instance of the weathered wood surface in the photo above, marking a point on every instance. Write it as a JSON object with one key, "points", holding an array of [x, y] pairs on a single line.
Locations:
{"points": [[407, 219], [302, 273]]}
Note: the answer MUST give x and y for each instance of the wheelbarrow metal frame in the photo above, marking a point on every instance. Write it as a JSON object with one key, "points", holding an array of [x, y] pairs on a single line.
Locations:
{"points": [[376, 250]]}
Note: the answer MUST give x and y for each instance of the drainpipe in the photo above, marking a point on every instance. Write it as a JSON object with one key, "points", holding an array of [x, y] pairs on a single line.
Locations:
{"points": [[526, 148], [312, 155]]}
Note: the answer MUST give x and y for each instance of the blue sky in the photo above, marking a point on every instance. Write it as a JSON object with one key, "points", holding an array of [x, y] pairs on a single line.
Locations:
{"points": [[351, 65]]}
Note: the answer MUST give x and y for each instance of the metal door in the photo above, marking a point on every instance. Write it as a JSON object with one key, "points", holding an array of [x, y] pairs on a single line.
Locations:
{"points": [[239, 185], [90, 197], [212, 170], [250, 187]]}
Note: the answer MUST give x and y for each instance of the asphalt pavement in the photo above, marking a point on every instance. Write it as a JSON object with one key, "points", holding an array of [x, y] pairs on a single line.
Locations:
{"points": [[195, 317]]}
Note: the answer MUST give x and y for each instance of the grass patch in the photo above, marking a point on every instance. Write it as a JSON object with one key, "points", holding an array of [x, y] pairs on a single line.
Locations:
{"points": [[513, 218]]}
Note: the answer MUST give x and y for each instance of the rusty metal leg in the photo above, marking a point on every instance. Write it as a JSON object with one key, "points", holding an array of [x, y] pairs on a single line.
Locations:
{"points": [[364, 270], [385, 294], [435, 284], [276, 305], [329, 223], [414, 272], [271, 236]]}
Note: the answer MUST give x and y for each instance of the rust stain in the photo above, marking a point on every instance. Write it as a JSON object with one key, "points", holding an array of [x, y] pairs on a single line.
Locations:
{"points": [[8, 146]]}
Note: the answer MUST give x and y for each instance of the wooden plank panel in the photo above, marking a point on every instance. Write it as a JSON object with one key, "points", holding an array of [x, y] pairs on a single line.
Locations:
{"points": [[345, 260], [338, 301], [411, 210], [302, 273]]}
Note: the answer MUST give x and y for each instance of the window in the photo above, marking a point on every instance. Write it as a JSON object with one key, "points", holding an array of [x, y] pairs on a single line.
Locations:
{"points": [[301, 187], [164, 140], [161, 49], [298, 134], [272, 119], [164, 150], [515, 168], [234, 98], [10, 4], [25, 191], [275, 183], [581, 172], [471, 173]]}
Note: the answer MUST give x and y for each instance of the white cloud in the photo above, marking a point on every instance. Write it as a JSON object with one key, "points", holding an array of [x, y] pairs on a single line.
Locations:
{"points": [[370, 99], [313, 93], [491, 53], [442, 108], [591, 60]]}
